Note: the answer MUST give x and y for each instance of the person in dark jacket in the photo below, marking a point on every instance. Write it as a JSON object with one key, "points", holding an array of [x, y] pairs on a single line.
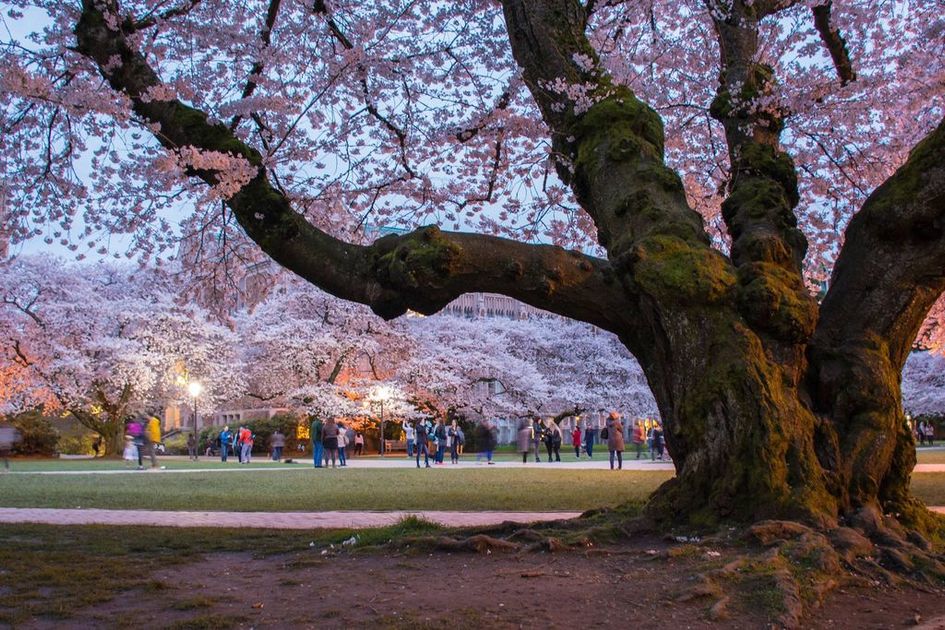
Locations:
{"points": [[315, 434], [538, 435], [421, 445]]}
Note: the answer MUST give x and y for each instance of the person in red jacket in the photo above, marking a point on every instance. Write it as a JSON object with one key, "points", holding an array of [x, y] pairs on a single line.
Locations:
{"points": [[576, 440]]}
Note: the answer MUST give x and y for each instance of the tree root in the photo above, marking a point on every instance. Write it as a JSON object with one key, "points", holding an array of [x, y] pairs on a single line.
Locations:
{"points": [[802, 565]]}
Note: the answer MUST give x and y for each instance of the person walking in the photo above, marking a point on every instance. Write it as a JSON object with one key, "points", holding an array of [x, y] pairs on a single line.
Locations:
{"points": [[192, 447], [8, 437], [277, 442], [330, 441], [152, 434], [488, 439], [358, 444], [342, 444], [576, 440], [920, 432], [639, 436], [246, 448], [136, 431], [349, 440], [524, 438], [421, 446], [454, 442], [315, 435], [411, 435], [615, 443], [225, 438], [930, 433], [590, 435]]}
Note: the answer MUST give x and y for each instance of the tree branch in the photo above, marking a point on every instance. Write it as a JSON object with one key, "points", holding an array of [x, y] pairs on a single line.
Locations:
{"points": [[266, 37], [423, 270], [767, 246], [891, 268], [833, 40], [890, 271]]}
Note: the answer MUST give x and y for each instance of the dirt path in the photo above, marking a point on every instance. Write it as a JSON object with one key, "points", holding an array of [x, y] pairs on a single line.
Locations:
{"points": [[625, 589]]}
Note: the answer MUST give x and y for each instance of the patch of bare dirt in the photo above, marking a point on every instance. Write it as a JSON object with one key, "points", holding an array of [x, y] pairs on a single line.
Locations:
{"points": [[645, 584]]}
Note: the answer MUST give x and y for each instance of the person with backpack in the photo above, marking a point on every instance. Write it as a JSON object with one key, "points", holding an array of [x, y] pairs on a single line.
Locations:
{"points": [[421, 445]]}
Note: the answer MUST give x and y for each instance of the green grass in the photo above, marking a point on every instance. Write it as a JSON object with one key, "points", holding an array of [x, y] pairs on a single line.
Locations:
{"points": [[307, 489]]}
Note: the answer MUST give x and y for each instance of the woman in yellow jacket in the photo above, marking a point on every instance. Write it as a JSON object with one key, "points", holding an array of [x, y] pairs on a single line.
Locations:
{"points": [[152, 433]]}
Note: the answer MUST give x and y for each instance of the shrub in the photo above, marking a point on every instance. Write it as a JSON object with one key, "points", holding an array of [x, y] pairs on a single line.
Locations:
{"points": [[37, 435]]}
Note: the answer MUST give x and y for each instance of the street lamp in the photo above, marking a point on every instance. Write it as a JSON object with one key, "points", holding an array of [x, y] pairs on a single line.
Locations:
{"points": [[195, 388], [380, 395]]}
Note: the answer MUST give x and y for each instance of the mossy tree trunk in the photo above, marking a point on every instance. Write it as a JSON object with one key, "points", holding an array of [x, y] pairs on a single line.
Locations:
{"points": [[773, 406]]}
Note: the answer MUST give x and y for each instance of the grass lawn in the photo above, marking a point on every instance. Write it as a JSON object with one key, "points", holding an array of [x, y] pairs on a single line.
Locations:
{"points": [[306, 489]]}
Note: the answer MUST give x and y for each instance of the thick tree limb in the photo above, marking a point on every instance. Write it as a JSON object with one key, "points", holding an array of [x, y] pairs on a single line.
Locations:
{"points": [[767, 247], [835, 43], [423, 270], [890, 271]]}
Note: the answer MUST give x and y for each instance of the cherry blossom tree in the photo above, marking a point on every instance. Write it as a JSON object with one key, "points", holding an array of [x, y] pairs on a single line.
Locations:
{"points": [[721, 155], [304, 347], [923, 384], [102, 343]]}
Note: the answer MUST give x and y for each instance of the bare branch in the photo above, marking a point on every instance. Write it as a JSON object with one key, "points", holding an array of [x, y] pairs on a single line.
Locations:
{"points": [[835, 43]]}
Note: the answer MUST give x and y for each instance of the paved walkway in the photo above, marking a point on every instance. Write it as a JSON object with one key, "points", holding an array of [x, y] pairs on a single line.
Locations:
{"points": [[267, 520], [372, 463], [393, 462]]}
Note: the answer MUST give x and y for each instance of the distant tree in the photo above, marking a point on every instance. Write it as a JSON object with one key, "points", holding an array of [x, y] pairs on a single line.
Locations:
{"points": [[103, 343]]}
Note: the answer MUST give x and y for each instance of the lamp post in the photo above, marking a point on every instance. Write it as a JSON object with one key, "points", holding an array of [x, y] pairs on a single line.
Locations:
{"points": [[195, 388], [380, 395]]}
